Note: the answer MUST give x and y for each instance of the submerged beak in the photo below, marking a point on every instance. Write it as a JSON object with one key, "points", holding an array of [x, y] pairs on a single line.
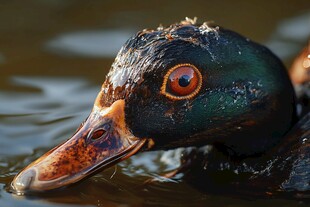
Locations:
{"points": [[102, 141]]}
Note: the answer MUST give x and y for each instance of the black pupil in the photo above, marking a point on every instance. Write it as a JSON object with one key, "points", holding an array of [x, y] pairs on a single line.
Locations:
{"points": [[184, 80]]}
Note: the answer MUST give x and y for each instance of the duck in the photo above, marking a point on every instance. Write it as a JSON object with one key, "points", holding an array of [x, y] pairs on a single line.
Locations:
{"points": [[186, 85]]}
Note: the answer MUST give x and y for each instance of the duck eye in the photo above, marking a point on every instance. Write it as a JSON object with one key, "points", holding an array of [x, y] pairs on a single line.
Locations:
{"points": [[182, 82]]}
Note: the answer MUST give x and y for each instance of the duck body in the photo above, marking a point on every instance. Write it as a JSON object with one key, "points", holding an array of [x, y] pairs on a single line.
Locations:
{"points": [[189, 85], [285, 168]]}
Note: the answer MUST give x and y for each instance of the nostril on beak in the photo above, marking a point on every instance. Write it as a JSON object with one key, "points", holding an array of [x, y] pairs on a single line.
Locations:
{"points": [[99, 133], [23, 181]]}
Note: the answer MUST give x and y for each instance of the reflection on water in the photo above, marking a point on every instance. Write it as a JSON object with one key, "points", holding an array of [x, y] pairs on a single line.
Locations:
{"points": [[45, 116], [290, 36], [89, 43], [33, 121], [47, 89]]}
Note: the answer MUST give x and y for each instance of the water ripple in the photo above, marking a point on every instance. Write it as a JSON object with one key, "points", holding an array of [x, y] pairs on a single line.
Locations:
{"points": [[104, 43]]}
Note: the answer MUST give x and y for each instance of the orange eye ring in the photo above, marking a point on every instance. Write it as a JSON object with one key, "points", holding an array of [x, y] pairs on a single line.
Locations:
{"points": [[182, 81]]}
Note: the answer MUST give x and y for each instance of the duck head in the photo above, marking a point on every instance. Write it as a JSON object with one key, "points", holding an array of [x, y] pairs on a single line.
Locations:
{"points": [[184, 85]]}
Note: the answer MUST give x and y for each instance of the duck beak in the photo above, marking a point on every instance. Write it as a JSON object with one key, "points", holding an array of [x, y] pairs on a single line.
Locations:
{"points": [[102, 141]]}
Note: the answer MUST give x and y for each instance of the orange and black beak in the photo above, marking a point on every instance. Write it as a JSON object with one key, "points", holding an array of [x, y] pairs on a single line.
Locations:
{"points": [[102, 141]]}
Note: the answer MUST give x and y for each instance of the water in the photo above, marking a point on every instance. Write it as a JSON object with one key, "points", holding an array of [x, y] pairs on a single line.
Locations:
{"points": [[54, 56]]}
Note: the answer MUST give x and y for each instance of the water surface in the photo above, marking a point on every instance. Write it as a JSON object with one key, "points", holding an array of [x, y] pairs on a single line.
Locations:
{"points": [[54, 55]]}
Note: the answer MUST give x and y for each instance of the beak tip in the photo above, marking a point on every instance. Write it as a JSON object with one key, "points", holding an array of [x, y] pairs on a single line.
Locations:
{"points": [[22, 182]]}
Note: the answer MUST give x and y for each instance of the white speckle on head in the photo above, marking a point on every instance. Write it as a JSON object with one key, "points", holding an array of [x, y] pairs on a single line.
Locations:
{"points": [[122, 71], [189, 21], [160, 27], [206, 28], [304, 140], [119, 77]]}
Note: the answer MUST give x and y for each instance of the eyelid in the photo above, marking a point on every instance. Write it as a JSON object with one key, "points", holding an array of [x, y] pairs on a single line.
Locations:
{"points": [[163, 89]]}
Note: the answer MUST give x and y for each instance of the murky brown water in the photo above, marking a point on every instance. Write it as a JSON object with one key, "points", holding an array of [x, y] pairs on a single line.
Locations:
{"points": [[54, 55]]}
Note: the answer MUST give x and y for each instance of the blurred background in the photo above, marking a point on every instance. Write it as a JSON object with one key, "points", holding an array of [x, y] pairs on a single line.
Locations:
{"points": [[54, 55]]}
